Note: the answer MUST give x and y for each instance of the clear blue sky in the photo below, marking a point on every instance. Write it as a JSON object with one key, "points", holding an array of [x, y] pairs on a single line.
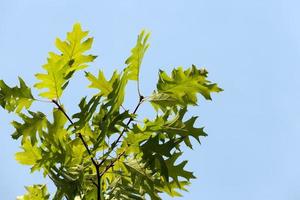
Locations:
{"points": [[251, 48]]}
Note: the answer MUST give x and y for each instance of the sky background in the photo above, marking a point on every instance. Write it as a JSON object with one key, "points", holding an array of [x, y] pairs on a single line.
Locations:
{"points": [[251, 48]]}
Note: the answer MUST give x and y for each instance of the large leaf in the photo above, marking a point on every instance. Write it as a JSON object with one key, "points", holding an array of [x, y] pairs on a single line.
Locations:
{"points": [[15, 98], [35, 192], [60, 67], [182, 87], [137, 54]]}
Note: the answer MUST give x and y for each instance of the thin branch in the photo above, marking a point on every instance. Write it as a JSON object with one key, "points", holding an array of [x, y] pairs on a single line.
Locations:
{"points": [[114, 144], [112, 164], [87, 149], [94, 183], [79, 134]]}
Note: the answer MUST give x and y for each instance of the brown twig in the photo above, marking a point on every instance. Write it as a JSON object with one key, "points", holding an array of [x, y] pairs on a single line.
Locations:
{"points": [[114, 144], [112, 164], [87, 149]]}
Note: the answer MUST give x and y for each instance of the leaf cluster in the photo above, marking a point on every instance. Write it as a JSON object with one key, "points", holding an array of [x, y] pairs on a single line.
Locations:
{"points": [[103, 151]]}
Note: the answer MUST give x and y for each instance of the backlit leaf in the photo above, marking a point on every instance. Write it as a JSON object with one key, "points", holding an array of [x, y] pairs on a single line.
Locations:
{"points": [[137, 54], [16, 98], [30, 154], [61, 67], [30, 127], [101, 83], [182, 87]]}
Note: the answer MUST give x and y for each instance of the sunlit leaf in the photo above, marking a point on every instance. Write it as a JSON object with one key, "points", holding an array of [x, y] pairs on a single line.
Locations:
{"points": [[30, 127], [61, 67], [137, 54], [30, 154], [101, 83], [15, 98], [182, 87]]}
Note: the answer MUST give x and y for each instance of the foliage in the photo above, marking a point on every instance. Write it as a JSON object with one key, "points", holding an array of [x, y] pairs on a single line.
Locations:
{"points": [[103, 151]]}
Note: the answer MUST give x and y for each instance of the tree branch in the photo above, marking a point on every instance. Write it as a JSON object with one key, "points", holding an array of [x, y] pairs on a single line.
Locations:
{"points": [[114, 144], [87, 149], [112, 164]]}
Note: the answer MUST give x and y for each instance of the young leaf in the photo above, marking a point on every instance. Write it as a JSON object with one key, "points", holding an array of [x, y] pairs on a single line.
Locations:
{"points": [[60, 68], [137, 53], [116, 97], [16, 98], [73, 48], [182, 87], [101, 83]]}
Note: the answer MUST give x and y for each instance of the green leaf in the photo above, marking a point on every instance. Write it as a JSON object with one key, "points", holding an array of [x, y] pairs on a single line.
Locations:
{"points": [[30, 154], [86, 112], [113, 90], [35, 192], [143, 179], [56, 132], [101, 83], [61, 67], [171, 188], [176, 171], [137, 53], [155, 150], [182, 87], [73, 48], [116, 97], [173, 127], [16, 98], [30, 126]]}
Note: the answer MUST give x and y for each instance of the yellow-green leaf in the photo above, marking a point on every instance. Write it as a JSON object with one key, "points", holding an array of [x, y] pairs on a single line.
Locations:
{"points": [[137, 54], [61, 67], [182, 87], [30, 154], [101, 83], [16, 98]]}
